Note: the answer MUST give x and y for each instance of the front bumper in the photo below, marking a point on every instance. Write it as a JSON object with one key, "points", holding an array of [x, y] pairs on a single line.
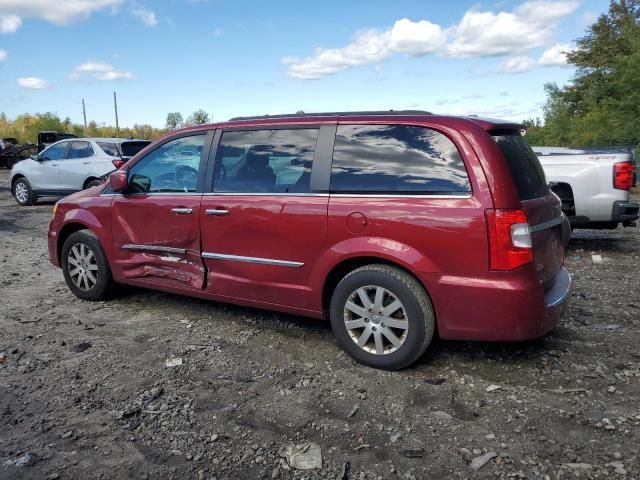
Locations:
{"points": [[625, 212], [52, 243]]}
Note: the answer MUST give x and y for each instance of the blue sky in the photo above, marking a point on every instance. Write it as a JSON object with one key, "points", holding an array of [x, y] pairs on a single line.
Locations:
{"points": [[257, 57]]}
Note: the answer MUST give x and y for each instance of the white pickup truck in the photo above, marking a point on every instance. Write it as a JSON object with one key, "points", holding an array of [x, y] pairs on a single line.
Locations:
{"points": [[593, 184]]}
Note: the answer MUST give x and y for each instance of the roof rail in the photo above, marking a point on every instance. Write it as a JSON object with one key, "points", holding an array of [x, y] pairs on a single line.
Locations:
{"points": [[335, 114]]}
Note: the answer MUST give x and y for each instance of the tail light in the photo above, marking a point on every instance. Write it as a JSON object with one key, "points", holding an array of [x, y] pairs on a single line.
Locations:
{"points": [[509, 239], [118, 162], [623, 175]]}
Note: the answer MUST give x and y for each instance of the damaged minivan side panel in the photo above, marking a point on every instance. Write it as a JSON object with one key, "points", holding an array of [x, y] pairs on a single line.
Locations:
{"points": [[156, 231]]}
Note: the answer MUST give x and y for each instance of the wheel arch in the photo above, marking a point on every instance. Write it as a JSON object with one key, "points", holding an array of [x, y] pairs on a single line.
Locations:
{"points": [[341, 269], [66, 232], [17, 177], [87, 180]]}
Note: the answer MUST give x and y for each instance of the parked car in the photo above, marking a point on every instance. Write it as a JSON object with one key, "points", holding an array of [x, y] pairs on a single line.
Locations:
{"points": [[393, 225], [593, 184], [68, 166]]}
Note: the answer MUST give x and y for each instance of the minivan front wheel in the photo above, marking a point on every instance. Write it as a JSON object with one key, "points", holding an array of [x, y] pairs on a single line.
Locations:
{"points": [[85, 267], [382, 317]]}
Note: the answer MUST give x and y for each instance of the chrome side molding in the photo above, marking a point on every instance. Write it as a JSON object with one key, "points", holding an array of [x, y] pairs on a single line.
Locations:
{"points": [[259, 260], [154, 248]]}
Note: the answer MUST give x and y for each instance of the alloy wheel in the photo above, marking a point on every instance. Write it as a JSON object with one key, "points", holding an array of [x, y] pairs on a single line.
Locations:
{"points": [[83, 266], [376, 320], [21, 191]]}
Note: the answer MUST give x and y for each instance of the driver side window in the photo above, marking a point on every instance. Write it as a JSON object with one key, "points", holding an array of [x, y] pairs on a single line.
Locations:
{"points": [[170, 168], [55, 152]]}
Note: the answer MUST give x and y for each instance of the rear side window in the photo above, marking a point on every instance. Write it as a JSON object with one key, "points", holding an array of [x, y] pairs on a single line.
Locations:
{"points": [[79, 150], [523, 163], [396, 159], [265, 161], [110, 149]]}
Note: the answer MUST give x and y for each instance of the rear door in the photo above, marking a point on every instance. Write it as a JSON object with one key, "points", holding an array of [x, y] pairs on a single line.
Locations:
{"points": [[265, 221], [549, 228], [45, 175], [76, 166], [155, 223]]}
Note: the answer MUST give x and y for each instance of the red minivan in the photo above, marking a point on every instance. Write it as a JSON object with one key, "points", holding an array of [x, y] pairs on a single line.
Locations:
{"points": [[393, 225]]}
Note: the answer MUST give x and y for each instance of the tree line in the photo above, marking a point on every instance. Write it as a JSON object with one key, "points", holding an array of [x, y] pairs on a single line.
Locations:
{"points": [[25, 127], [600, 106]]}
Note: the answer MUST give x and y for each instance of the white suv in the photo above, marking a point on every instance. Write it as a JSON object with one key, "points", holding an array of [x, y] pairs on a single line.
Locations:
{"points": [[70, 165]]}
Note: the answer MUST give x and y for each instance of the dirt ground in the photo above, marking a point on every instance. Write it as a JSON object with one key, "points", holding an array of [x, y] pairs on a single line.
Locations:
{"points": [[85, 391]]}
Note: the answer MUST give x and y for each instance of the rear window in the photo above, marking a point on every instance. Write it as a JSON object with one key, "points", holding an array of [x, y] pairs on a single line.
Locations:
{"points": [[130, 148], [400, 159], [523, 163]]}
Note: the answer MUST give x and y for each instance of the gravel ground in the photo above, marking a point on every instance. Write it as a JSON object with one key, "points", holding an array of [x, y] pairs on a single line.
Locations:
{"points": [[85, 391]]}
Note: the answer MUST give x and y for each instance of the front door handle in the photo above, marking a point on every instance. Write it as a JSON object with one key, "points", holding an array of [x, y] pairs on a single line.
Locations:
{"points": [[86, 163], [182, 211], [216, 211]]}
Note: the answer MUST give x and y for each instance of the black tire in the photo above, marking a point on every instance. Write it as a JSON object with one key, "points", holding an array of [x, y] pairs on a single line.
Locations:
{"points": [[23, 193], [418, 313], [93, 183], [83, 241]]}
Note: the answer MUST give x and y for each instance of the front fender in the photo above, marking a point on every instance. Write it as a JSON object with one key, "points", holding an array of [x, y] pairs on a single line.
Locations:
{"points": [[375, 247], [97, 218]]}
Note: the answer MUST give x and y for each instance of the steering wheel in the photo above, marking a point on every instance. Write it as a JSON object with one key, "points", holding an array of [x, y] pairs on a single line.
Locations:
{"points": [[186, 175]]}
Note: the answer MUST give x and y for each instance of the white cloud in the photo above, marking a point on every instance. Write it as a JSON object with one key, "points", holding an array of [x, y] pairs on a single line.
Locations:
{"points": [[146, 15], [56, 11], [9, 23], [478, 34], [368, 46], [416, 38], [519, 64], [552, 57], [33, 83], [98, 71], [3, 55], [556, 55]]}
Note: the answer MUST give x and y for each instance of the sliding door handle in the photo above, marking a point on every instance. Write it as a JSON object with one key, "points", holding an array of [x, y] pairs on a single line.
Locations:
{"points": [[216, 211], [182, 211]]}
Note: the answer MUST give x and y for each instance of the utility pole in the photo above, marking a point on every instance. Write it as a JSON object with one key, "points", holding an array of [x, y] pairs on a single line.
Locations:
{"points": [[115, 107], [84, 115]]}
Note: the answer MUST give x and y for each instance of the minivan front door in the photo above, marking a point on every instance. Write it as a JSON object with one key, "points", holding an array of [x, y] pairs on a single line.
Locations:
{"points": [[155, 223], [263, 225]]}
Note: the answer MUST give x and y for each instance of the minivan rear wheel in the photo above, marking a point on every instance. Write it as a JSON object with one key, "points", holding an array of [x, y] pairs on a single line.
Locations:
{"points": [[382, 317], [85, 267]]}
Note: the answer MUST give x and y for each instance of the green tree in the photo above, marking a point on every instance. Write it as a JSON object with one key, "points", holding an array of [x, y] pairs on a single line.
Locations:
{"points": [[199, 117], [601, 105], [174, 120]]}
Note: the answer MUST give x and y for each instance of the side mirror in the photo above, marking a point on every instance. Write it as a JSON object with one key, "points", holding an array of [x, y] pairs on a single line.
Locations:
{"points": [[118, 181], [35, 157]]}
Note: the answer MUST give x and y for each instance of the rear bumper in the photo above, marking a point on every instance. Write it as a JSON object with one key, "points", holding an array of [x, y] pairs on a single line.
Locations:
{"points": [[625, 212], [507, 306]]}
